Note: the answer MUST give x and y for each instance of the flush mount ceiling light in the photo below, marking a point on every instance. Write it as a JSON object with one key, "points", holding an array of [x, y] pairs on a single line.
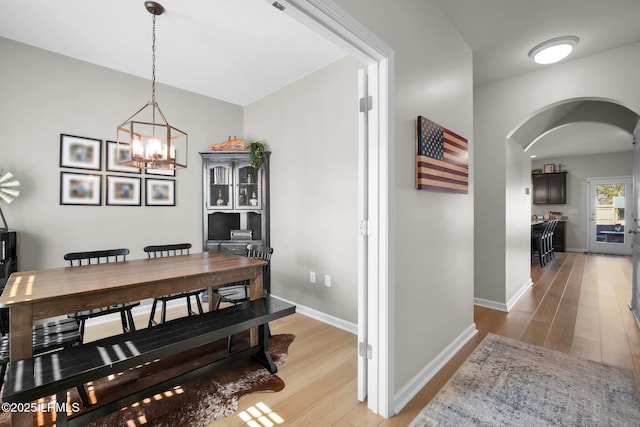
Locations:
{"points": [[146, 140], [553, 50]]}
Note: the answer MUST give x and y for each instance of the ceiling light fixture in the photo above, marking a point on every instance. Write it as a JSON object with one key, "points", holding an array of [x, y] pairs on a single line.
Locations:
{"points": [[146, 140], [553, 50]]}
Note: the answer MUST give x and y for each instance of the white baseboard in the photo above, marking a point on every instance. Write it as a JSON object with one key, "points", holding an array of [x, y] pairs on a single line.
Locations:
{"points": [[425, 375], [500, 306], [325, 318]]}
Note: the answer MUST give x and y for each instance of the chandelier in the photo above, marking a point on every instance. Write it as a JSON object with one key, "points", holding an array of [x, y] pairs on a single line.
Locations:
{"points": [[146, 140]]}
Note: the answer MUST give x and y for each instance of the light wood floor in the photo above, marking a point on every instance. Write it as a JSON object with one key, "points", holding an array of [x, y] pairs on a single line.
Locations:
{"points": [[578, 305]]}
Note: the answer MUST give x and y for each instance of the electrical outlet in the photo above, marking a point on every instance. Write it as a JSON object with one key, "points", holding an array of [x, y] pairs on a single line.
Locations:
{"points": [[312, 277], [327, 280]]}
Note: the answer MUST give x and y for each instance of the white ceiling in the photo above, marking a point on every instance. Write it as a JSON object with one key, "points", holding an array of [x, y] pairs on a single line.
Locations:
{"points": [[234, 50], [239, 51]]}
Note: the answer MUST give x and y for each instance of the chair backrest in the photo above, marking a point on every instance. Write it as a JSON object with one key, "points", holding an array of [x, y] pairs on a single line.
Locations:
{"points": [[259, 252], [552, 227], [158, 251], [96, 257]]}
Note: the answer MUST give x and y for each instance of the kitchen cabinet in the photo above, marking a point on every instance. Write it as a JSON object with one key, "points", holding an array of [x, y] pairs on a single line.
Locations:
{"points": [[549, 188]]}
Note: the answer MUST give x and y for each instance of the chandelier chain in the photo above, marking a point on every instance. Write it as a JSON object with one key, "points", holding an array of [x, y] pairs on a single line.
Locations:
{"points": [[153, 62]]}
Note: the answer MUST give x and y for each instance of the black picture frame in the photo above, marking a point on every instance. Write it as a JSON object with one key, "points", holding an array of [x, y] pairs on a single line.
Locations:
{"points": [[80, 189], [79, 152], [123, 190], [112, 164], [160, 192]]}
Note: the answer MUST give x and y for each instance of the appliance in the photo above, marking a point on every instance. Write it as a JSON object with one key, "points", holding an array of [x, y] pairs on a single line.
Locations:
{"points": [[146, 140]]}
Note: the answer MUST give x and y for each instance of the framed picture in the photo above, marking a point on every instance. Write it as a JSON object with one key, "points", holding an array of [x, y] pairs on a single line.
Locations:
{"points": [[114, 158], [80, 189], [165, 172], [160, 192], [123, 191], [80, 153], [549, 168]]}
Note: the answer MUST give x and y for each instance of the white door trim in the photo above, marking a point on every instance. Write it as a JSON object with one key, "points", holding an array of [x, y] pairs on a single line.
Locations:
{"points": [[329, 20]]}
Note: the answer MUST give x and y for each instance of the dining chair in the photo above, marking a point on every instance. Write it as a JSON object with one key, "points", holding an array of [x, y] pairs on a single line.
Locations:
{"points": [[550, 252], [235, 293], [78, 259], [539, 243], [48, 336], [159, 251]]}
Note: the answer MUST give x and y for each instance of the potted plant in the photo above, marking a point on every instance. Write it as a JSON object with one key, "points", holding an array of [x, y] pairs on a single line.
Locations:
{"points": [[256, 151]]}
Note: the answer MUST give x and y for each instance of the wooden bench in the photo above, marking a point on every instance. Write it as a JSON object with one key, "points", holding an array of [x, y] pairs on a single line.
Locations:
{"points": [[44, 375]]}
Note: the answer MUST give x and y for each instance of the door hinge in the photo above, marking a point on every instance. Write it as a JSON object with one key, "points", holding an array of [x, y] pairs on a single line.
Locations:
{"points": [[365, 350], [365, 227], [366, 104]]}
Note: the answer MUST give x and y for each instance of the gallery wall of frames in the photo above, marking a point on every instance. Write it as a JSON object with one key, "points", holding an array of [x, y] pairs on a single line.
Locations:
{"points": [[84, 180]]}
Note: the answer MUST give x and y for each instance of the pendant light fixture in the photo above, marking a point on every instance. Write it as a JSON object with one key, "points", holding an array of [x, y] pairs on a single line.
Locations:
{"points": [[146, 140]]}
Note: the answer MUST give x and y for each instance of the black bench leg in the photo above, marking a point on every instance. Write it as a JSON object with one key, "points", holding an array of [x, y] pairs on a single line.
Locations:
{"points": [[81, 325], [190, 311], [153, 314], [84, 397], [132, 325], [199, 303], [61, 409], [163, 317], [264, 357]]}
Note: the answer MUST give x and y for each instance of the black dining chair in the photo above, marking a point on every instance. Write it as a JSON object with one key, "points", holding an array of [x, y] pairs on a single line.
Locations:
{"points": [[77, 259], [159, 251], [49, 336], [235, 293]]}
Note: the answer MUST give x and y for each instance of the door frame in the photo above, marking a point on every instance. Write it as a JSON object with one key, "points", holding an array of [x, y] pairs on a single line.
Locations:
{"points": [[634, 304], [591, 245], [327, 19]]}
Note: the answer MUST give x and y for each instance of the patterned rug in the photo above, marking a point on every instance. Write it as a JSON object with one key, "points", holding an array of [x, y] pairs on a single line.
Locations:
{"points": [[194, 403], [510, 383]]}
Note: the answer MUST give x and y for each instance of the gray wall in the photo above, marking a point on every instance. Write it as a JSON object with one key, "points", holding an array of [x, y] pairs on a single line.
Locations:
{"points": [[431, 248], [311, 127], [44, 95], [579, 168], [431, 295], [500, 107]]}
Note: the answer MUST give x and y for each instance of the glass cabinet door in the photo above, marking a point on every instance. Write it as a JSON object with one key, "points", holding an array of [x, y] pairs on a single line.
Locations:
{"points": [[248, 187], [220, 185]]}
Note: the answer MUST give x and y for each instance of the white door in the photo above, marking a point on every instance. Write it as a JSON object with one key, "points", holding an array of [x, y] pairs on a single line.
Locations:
{"points": [[610, 215], [634, 227], [363, 218]]}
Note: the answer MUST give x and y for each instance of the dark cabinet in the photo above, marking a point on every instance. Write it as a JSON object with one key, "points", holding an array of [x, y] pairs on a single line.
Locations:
{"points": [[235, 201], [549, 188], [560, 236], [8, 253]]}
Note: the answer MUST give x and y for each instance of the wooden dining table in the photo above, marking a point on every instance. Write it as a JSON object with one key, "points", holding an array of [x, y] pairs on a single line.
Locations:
{"points": [[40, 294]]}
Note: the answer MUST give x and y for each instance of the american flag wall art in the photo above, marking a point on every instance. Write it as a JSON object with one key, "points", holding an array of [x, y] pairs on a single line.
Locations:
{"points": [[442, 159]]}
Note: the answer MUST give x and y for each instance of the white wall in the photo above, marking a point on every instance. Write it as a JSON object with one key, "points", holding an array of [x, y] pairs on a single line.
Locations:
{"points": [[432, 232], [500, 107], [44, 95], [579, 168], [311, 128]]}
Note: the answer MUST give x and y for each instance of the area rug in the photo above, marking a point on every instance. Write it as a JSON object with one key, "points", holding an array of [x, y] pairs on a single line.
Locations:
{"points": [[509, 383], [194, 403]]}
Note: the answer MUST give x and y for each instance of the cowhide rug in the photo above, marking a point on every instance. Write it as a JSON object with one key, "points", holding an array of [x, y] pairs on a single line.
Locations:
{"points": [[194, 403]]}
